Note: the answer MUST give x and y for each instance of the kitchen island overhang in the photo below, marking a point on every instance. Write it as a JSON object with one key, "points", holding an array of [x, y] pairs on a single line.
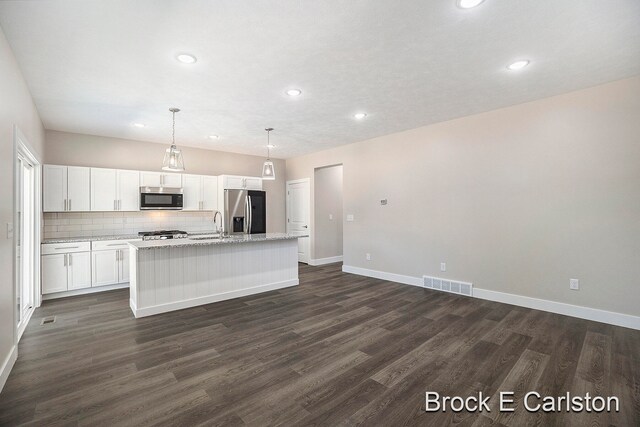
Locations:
{"points": [[175, 274]]}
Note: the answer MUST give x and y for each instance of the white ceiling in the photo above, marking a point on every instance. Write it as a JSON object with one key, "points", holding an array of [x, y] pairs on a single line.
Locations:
{"points": [[96, 67]]}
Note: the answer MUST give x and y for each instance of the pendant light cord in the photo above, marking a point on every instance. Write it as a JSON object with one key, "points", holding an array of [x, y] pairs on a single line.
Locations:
{"points": [[173, 133], [268, 143]]}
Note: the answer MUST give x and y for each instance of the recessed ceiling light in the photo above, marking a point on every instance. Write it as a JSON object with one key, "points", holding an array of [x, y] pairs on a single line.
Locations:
{"points": [[214, 136], [294, 92], [139, 125], [518, 65], [186, 58], [271, 146], [468, 4], [360, 116]]}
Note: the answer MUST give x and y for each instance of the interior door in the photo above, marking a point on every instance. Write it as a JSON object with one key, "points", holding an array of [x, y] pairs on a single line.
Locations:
{"points": [[298, 215], [78, 189]]}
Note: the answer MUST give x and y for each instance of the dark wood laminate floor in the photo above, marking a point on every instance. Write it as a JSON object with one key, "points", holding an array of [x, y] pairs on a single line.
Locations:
{"points": [[338, 349]]}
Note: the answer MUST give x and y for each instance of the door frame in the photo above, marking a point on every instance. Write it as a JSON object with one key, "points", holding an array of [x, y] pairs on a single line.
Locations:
{"points": [[288, 203], [22, 147]]}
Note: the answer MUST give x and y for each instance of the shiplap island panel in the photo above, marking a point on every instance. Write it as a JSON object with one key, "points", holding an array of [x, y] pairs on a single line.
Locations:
{"points": [[175, 274]]}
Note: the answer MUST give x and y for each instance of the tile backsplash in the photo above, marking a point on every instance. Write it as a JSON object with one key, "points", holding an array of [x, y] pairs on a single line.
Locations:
{"points": [[87, 224]]}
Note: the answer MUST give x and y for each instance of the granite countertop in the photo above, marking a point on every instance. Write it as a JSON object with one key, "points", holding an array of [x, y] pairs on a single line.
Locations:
{"points": [[116, 237], [242, 238]]}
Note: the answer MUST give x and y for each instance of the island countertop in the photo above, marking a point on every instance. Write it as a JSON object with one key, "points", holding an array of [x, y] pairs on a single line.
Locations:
{"points": [[200, 241]]}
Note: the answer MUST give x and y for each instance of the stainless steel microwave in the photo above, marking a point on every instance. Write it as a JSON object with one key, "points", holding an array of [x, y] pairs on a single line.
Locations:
{"points": [[162, 198]]}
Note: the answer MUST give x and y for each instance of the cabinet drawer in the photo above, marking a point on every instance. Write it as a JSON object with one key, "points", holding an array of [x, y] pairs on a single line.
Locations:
{"points": [[64, 248], [104, 245]]}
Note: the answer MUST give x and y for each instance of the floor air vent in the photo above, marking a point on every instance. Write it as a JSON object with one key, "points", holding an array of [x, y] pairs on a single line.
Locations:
{"points": [[447, 285], [47, 320]]}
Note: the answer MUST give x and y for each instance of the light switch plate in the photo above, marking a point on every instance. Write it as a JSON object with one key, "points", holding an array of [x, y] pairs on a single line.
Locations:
{"points": [[330, 217], [574, 284], [350, 217], [443, 266]]}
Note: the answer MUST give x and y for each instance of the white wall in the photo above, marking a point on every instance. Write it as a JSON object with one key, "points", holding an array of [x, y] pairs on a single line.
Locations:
{"points": [[328, 201], [89, 150], [516, 200], [16, 108]]}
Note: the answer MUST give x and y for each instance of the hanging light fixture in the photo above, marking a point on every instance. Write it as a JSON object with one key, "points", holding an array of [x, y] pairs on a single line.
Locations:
{"points": [[173, 157], [268, 171]]}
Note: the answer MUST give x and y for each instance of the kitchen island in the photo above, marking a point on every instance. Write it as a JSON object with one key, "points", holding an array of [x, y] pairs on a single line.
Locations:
{"points": [[174, 274]]}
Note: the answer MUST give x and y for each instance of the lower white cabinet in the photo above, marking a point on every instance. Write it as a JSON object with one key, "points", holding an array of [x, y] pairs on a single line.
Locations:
{"points": [[109, 262], [66, 272]]}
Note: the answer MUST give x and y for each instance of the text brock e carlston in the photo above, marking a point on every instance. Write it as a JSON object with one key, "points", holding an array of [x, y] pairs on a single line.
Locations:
{"points": [[531, 401]]}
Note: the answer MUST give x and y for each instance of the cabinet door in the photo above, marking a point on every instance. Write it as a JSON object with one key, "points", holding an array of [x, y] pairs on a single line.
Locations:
{"points": [[104, 268], [172, 180], [209, 193], [128, 190], [233, 182], [192, 186], [124, 265], [54, 191], [79, 270], [103, 189], [78, 189], [54, 273], [252, 183], [150, 179]]}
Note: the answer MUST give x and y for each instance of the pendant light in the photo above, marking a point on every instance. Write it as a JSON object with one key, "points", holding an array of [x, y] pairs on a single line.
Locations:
{"points": [[173, 157], [268, 171]]}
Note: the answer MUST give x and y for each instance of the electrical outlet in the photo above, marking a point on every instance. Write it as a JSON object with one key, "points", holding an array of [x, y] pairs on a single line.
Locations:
{"points": [[350, 217], [368, 257], [443, 266], [574, 284]]}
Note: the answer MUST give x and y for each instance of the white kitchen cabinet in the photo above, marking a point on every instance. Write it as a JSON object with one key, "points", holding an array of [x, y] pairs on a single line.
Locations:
{"points": [[114, 190], [79, 270], [105, 269], [232, 182], [200, 192], [54, 273], [66, 188], [109, 262], [65, 271], [160, 179]]}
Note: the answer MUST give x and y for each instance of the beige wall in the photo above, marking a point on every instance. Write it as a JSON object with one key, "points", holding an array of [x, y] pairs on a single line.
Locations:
{"points": [[16, 108], [516, 200], [97, 151], [328, 201]]}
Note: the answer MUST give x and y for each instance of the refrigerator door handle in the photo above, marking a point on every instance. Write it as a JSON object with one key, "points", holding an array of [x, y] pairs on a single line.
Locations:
{"points": [[246, 215], [250, 214]]}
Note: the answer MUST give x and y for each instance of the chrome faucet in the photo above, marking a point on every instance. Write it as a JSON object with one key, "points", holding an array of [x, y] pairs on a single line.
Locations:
{"points": [[221, 229]]}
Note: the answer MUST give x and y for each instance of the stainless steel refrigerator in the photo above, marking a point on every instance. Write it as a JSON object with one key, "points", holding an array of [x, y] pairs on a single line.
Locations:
{"points": [[245, 211]]}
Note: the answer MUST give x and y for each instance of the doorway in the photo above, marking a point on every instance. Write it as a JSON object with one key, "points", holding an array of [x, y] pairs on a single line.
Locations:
{"points": [[298, 215], [26, 232], [327, 215]]}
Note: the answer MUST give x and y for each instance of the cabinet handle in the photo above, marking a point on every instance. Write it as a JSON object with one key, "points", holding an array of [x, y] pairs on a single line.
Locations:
{"points": [[65, 205], [67, 247], [117, 254], [119, 203], [69, 204], [70, 258], [65, 260], [114, 206]]}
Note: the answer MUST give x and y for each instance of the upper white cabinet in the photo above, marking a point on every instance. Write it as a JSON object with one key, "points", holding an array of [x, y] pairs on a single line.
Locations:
{"points": [[114, 190], [160, 179], [232, 182], [200, 192], [66, 188]]}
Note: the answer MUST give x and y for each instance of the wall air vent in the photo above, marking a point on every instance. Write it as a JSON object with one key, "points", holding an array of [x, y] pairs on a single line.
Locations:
{"points": [[448, 285]]}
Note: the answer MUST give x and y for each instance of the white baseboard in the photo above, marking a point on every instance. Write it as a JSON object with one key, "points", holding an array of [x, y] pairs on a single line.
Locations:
{"points": [[392, 277], [85, 291], [179, 305], [597, 315], [7, 365], [323, 261]]}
